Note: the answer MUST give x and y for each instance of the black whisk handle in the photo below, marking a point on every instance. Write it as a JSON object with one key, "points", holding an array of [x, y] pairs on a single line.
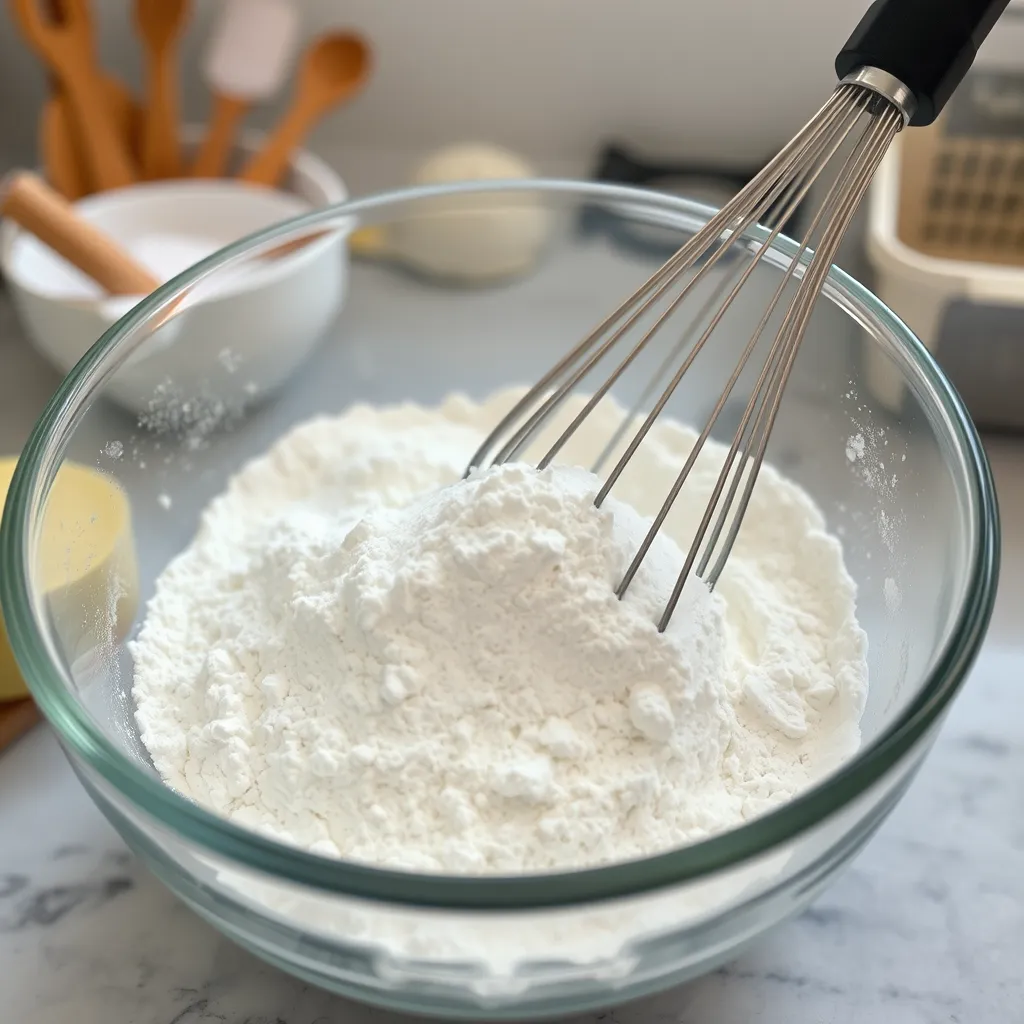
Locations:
{"points": [[929, 45]]}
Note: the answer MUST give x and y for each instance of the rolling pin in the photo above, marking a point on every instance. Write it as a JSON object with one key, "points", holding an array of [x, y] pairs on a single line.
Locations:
{"points": [[31, 203]]}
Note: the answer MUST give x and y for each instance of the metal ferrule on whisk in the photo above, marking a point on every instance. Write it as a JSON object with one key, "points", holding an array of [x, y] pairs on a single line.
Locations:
{"points": [[887, 86]]}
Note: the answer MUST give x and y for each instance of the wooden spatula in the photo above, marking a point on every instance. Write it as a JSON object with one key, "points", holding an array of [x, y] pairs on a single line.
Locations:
{"points": [[159, 24], [66, 49], [61, 148]]}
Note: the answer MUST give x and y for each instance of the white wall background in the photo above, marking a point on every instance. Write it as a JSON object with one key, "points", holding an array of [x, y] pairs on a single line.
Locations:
{"points": [[726, 80]]}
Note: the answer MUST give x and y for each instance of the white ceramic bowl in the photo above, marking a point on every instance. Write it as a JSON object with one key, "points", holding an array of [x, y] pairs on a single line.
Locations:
{"points": [[262, 323]]}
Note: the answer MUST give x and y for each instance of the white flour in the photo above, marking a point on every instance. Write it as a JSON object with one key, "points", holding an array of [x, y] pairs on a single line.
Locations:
{"points": [[355, 661]]}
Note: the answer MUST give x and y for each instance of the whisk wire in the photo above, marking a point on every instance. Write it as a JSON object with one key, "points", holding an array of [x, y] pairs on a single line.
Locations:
{"points": [[661, 280], [799, 187], [845, 201], [770, 199], [744, 217], [787, 206], [767, 393]]}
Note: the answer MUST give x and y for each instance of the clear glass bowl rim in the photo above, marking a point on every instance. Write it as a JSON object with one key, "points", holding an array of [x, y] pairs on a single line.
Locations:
{"points": [[40, 664]]}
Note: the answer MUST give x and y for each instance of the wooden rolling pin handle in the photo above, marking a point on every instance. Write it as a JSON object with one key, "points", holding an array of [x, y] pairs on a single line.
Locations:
{"points": [[30, 202]]}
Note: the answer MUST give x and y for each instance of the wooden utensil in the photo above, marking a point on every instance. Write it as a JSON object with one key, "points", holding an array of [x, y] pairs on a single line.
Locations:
{"points": [[58, 149], [212, 157], [60, 145], [16, 718], [159, 24], [62, 150], [332, 70], [30, 202], [66, 48], [246, 63]]}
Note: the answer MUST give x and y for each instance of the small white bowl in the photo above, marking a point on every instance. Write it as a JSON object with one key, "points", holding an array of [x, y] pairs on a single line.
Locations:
{"points": [[262, 323]]}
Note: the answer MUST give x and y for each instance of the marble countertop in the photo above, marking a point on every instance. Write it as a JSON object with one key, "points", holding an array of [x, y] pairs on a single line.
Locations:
{"points": [[923, 929]]}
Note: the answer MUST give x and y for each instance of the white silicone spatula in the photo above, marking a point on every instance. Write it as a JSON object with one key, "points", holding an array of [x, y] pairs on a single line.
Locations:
{"points": [[246, 62]]}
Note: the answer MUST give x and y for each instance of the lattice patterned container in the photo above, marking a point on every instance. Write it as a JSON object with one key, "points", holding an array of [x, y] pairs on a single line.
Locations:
{"points": [[946, 234]]}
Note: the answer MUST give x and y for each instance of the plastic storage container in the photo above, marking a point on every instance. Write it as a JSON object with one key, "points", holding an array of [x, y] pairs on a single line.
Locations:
{"points": [[946, 235]]}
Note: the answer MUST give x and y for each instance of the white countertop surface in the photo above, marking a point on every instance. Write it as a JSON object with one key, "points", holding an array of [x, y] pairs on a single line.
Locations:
{"points": [[925, 928]]}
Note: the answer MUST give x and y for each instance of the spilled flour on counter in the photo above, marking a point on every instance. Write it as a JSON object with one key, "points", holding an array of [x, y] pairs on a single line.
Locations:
{"points": [[362, 655]]}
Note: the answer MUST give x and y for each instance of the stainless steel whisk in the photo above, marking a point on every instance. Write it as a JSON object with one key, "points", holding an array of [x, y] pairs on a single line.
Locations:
{"points": [[899, 68]]}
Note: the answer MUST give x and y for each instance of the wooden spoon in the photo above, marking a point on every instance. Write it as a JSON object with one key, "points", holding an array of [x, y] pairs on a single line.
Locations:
{"points": [[332, 70], [30, 202], [159, 23], [61, 147], [66, 48]]}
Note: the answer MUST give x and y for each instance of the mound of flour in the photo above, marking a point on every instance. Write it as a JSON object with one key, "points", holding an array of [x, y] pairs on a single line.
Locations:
{"points": [[364, 656]]}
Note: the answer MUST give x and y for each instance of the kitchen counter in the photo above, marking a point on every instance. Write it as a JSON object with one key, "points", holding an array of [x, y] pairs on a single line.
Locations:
{"points": [[921, 930]]}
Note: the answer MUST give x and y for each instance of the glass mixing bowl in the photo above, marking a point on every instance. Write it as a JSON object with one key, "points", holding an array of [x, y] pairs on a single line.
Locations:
{"points": [[901, 477]]}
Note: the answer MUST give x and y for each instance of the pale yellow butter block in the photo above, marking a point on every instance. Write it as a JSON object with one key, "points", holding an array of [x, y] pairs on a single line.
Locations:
{"points": [[86, 565]]}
